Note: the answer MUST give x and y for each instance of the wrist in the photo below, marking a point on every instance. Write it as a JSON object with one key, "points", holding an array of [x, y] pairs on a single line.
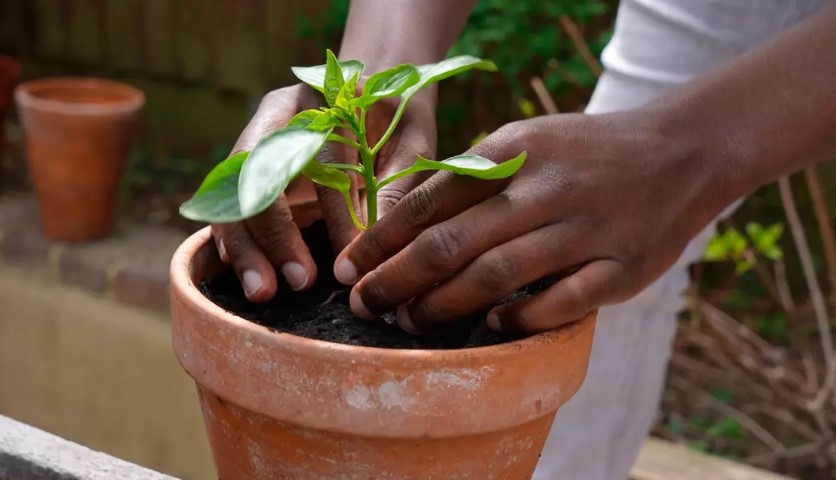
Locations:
{"points": [[713, 159]]}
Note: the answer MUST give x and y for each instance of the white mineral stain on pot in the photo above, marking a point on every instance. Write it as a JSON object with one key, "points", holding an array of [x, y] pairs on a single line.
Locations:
{"points": [[392, 395], [464, 378], [359, 397]]}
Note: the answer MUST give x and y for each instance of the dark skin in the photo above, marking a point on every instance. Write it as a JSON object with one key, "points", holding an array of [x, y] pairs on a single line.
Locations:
{"points": [[270, 244], [605, 202]]}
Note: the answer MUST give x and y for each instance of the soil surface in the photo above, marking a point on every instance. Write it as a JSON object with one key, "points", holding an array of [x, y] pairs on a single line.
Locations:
{"points": [[323, 313]]}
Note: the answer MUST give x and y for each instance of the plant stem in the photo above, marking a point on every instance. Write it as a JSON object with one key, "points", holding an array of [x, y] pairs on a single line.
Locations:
{"points": [[347, 166], [395, 176], [367, 157], [371, 186], [392, 126], [816, 296], [828, 238], [339, 138]]}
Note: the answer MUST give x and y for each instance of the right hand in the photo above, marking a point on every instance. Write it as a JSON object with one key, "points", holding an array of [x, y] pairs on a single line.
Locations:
{"points": [[269, 242]]}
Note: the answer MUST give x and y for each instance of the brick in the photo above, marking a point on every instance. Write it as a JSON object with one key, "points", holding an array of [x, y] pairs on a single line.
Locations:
{"points": [[145, 284], [23, 243], [90, 265]]}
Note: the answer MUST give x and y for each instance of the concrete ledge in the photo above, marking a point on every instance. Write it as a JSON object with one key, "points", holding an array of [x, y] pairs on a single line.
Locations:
{"points": [[97, 372], [27, 453], [661, 460]]}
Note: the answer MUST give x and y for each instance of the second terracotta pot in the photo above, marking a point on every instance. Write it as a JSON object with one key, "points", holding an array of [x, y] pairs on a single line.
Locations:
{"points": [[279, 406], [78, 132]]}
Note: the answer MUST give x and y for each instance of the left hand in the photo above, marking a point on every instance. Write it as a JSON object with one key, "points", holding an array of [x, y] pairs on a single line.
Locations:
{"points": [[606, 203]]}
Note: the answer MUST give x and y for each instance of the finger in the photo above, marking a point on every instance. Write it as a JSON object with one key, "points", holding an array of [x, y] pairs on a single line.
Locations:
{"points": [[258, 279], [598, 283], [414, 140], [496, 274], [273, 113], [219, 244], [335, 211], [438, 199], [444, 249], [276, 234]]}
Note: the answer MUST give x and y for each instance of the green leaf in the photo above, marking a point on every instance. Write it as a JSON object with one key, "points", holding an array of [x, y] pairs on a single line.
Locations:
{"points": [[388, 83], [328, 176], [727, 427], [346, 94], [436, 72], [273, 164], [429, 74], [527, 108], [315, 76], [304, 118], [473, 166], [331, 177], [334, 79], [216, 201], [468, 165]]}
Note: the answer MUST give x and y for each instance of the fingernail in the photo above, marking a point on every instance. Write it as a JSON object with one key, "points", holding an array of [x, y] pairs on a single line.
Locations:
{"points": [[346, 272], [221, 250], [358, 307], [251, 281], [296, 275], [493, 322], [405, 322]]}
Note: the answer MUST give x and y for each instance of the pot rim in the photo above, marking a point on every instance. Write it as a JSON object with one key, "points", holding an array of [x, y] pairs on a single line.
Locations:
{"points": [[26, 96], [181, 282]]}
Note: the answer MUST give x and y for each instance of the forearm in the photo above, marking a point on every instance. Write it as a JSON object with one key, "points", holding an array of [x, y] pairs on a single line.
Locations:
{"points": [[383, 33], [767, 114]]}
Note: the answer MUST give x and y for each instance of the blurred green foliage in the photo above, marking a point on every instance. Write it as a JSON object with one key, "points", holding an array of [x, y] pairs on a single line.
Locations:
{"points": [[525, 39], [731, 245]]}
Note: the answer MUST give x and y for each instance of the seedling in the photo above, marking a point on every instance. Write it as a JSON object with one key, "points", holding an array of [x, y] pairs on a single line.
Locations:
{"points": [[246, 183]]}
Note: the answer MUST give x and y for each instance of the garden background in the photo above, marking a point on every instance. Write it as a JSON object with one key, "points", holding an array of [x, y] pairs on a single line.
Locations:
{"points": [[747, 376]]}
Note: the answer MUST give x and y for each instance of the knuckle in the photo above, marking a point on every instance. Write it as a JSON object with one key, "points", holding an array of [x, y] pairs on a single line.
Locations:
{"points": [[389, 196], [426, 312], [373, 244], [577, 294], [495, 271], [376, 297], [441, 247], [270, 229], [420, 206]]}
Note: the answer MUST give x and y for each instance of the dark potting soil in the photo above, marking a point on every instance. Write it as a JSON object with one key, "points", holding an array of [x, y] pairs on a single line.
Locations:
{"points": [[323, 313]]}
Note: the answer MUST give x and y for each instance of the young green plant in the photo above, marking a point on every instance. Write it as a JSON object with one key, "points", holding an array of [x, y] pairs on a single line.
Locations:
{"points": [[246, 183]]}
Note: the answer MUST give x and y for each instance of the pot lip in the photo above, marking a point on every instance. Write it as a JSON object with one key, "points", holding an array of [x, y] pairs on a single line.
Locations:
{"points": [[183, 288], [26, 96]]}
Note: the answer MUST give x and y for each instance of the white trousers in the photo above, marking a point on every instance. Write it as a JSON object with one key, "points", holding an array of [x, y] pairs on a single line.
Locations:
{"points": [[657, 45]]}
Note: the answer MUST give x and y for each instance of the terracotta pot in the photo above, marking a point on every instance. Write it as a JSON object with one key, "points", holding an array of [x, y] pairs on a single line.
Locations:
{"points": [[278, 406], [78, 132], [9, 72], [301, 196]]}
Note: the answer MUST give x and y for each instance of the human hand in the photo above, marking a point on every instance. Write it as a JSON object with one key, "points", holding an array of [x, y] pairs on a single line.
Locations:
{"points": [[259, 247], [605, 203]]}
